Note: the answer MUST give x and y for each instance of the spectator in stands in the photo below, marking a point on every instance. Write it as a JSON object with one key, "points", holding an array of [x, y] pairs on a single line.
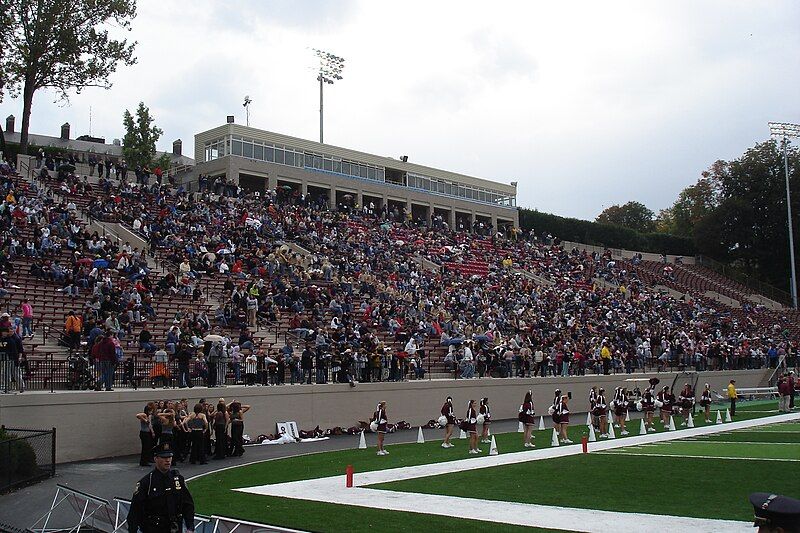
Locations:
{"points": [[145, 341], [27, 319], [73, 327], [104, 352]]}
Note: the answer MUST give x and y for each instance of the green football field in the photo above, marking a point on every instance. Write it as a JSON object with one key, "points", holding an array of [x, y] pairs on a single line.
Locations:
{"points": [[699, 477]]}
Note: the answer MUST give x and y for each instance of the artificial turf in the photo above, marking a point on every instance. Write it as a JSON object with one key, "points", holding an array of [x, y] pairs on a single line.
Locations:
{"points": [[213, 494], [733, 450]]}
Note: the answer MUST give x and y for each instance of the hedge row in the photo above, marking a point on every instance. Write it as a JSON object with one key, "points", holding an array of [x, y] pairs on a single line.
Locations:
{"points": [[586, 232]]}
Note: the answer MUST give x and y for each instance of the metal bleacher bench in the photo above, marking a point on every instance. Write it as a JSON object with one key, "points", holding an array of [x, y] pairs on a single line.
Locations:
{"points": [[752, 392]]}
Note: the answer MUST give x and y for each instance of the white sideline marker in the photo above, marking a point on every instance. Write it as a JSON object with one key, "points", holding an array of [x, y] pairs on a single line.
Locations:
{"points": [[520, 430], [592, 436], [611, 434], [671, 423], [541, 423], [690, 422], [554, 441], [362, 443], [420, 436], [728, 415], [627, 416], [719, 417], [642, 428], [493, 447], [462, 435], [588, 419]]}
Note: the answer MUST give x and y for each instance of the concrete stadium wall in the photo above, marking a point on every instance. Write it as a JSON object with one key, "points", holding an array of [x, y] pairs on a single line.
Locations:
{"points": [[92, 425]]}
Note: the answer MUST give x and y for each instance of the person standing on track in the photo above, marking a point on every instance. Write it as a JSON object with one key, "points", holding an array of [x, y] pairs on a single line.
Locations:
{"points": [[705, 402], [486, 413], [563, 419], [554, 411], [381, 419], [470, 425], [447, 412], [733, 396], [666, 400], [601, 412], [527, 415], [197, 425], [649, 407]]}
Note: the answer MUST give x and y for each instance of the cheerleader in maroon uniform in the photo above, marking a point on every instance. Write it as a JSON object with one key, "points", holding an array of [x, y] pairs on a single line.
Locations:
{"points": [[485, 418], [705, 402], [447, 412], [667, 401], [686, 401], [380, 419], [649, 407], [600, 411], [553, 410], [527, 417], [563, 419], [592, 401], [621, 409], [470, 425]]}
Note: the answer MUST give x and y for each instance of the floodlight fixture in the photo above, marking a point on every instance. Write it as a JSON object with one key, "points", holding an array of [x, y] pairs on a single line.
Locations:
{"points": [[786, 131], [330, 70], [246, 104]]}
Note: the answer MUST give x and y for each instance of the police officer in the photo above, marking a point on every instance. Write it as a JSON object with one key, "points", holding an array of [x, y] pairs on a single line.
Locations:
{"points": [[775, 513], [161, 502]]}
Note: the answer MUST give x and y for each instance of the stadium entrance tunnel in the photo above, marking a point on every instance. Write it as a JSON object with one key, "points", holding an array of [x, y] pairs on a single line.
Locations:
{"points": [[421, 213], [445, 215], [375, 203], [316, 193], [396, 209], [504, 226], [463, 221], [252, 183], [346, 200]]}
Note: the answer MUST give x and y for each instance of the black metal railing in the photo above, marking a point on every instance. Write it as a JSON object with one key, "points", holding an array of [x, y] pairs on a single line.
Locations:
{"points": [[26, 456]]}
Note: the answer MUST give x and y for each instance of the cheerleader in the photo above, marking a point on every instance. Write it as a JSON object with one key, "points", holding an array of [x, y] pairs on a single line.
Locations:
{"points": [[553, 410], [686, 400], [600, 409], [667, 401], [471, 427], [649, 407], [592, 402], [621, 409], [705, 401], [485, 418], [449, 415], [563, 419], [527, 417], [380, 419]]}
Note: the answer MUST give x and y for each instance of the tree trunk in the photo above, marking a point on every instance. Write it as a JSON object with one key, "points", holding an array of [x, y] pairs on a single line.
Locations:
{"points": [[3, 146], [27, 101]]}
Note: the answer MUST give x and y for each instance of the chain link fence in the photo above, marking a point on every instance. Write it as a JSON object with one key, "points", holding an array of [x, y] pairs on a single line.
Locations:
{"points": [[26, 456]]}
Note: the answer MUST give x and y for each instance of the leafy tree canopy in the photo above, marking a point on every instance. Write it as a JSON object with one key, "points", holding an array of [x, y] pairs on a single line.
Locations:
{"points": [[141, 136], [632, 215]]}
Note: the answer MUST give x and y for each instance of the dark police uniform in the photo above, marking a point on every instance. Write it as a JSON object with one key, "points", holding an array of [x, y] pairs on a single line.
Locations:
{"points": [[161, 502], [773, 511]]}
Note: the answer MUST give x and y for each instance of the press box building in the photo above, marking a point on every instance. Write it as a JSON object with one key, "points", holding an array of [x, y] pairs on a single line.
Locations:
{"points": [[258, 160]]}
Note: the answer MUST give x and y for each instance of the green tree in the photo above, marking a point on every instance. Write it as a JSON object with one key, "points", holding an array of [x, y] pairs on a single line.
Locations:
{"points": [[5, 36], [694, 203], [632, 215], [62, 45], [141, 136]]}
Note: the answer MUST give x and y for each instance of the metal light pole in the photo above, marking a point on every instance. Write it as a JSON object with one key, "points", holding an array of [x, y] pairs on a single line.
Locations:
{"points": [[330, 70], [785, 131], [246, 104]]}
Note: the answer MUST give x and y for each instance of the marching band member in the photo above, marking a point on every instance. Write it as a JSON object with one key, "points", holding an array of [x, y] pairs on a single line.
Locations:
{"points": [[686, 400], [447, 412], [649, 407], [621, 409], [471, 427], [380, 418], [563, 418], [526, 416], [667, 401], [553, 410], [486, 413], [600, 408], [705, 401]]}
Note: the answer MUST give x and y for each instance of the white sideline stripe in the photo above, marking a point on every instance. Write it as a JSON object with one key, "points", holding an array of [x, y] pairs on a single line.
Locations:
{"points": [[743, 442], [332, 490], [700, 456]]}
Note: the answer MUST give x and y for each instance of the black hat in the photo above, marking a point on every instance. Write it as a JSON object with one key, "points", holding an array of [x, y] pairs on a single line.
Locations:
{"points": [[775, 511], [163, 450]]}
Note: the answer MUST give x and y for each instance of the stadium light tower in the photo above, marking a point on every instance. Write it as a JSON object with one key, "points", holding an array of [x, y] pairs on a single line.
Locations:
{"points": [[786, 131], [330, 70], [246, 104]]}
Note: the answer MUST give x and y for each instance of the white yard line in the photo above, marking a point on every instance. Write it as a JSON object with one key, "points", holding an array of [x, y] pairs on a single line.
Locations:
{"points": [[700, 456], [332, 490], [699, 441]]}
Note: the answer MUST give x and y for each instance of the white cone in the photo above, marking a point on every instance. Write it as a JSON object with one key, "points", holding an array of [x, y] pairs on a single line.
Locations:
{"points": [[420, 437], [642, 428], [719, 417], [690, 422], [520, 428], [541, 423], [554, 441], [488, 432], [462, 435], [362, 443], [588, 419], [728, 415], [611, 434], [493, 447], [592, 436], [627, 416], [671, 423]]}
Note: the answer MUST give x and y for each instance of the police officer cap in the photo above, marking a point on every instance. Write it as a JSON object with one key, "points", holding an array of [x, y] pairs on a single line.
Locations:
{"points": [[773, 511], [163, 450]]}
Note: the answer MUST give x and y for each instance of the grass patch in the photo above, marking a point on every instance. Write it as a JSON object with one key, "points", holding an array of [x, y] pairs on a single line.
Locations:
{"points": [[714, 449]]}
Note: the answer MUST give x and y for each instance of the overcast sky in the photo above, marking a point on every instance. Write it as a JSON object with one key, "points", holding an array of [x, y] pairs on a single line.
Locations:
{"points": [[585, 104]]}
